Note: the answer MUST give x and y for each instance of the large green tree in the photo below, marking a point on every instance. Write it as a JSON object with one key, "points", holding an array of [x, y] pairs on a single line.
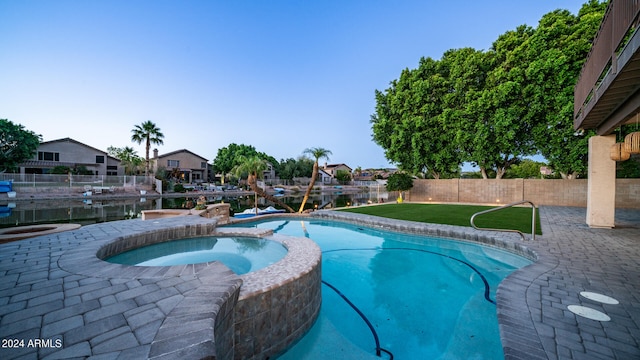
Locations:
{"points": [[317, 153], [292, 168], [558, 50], [148, 133], [409, 122], [492, 108], [466, 70], [16, 144], [232, 155], [499, 130]]}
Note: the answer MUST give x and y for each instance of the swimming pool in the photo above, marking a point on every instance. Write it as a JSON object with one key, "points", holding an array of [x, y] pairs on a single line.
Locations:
{"points": [[240, 254], [413, 296]]}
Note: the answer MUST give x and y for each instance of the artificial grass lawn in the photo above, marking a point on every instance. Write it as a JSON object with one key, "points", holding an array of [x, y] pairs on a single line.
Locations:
{"points": [[518, 218]]}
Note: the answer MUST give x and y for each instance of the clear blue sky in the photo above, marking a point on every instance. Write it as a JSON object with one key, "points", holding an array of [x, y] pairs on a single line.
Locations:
{"points": [[279, 75]]}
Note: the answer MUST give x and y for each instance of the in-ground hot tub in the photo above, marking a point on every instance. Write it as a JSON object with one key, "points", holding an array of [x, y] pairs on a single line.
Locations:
{"points": [[273, 308], [239, 253]]}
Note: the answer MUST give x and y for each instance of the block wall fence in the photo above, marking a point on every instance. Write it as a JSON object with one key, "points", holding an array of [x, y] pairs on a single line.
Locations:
{"points": [[555, 192]]}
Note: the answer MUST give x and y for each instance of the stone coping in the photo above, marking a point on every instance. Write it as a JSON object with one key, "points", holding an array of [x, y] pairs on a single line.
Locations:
{"points": [[277, 304], [501, 240], [303, 255], [511, 242]]}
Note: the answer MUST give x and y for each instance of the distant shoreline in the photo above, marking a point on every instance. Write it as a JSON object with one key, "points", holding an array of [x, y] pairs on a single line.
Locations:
{"points": [[61, 194]]}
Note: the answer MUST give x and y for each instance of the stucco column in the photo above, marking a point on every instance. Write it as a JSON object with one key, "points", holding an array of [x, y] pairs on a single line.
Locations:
{"points": [[601, 188]]}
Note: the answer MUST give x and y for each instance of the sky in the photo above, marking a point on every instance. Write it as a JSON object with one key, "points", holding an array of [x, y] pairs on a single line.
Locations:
{"points": [[282, 76]]}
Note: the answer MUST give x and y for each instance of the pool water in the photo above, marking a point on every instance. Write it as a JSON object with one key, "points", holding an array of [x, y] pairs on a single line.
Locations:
{"points": [[424, 297], [240, 254]]}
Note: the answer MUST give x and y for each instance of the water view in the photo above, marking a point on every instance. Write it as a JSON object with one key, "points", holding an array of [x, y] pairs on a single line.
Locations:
{"points": [[91, 211]]}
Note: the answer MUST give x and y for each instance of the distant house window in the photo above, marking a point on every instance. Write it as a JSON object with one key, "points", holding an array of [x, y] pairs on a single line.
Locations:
{"points": [[203, 165], [173, 163], [99, 159], [48, 156]]}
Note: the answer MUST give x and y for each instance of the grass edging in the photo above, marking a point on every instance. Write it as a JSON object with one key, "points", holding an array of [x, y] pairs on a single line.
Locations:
{"points": [[516, 218]]}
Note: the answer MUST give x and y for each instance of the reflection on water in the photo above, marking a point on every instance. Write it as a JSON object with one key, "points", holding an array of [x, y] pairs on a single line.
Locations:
{"points": [[91, 211], [76, 211], [240, 254]]}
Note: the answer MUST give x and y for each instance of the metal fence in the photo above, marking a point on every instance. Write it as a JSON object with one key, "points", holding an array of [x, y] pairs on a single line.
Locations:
{"points": [[24, 181]]}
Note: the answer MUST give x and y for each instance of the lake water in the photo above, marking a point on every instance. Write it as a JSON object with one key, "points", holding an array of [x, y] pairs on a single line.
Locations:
{"points": [[95, 210]]}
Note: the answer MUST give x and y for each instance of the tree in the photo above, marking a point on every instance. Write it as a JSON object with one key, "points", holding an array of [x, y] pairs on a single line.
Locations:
{"points": [[559, 48], [148, 133], [628, 169], [292, 168], [343, 176], [501, 133], [253, 167], [399, 181], [128, 158], [16, 144], [317, 153], [492, 108], [233, 155], [358, 171], [409, 125], [525, 169]]}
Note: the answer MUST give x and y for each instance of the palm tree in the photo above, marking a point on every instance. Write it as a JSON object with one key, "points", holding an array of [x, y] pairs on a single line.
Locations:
{"points": [[149, 133], [128, 158], [318, 153], [254, 168]]}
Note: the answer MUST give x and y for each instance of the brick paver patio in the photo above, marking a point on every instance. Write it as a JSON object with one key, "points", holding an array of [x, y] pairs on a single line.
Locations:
{"points": [[532, 303]]}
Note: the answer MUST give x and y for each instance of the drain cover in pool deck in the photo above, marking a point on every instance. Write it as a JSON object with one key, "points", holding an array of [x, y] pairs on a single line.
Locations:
{"points": [[589, 313], [599, 298]]}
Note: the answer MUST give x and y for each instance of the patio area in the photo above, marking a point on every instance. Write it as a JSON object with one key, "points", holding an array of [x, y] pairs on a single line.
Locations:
{"points": [[532, 303], [60, 310]]}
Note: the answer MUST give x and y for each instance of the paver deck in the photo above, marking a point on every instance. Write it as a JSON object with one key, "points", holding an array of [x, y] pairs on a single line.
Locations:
{"points": [[532, 303], [52, 311]]}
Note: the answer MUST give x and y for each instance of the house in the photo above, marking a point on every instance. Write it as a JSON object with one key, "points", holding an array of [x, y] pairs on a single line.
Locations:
{"points": [[72, 154], [193, 168], [545, 170], [374, 174], [324, 177], [269, 174], [332, 170]]}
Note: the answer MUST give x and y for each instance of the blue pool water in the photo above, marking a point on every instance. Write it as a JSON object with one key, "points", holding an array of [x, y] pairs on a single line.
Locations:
{"points": [[240, 254], [424, 297]]}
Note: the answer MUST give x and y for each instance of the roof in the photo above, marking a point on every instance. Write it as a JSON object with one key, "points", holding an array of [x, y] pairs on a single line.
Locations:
{"points": [[336, 165], [180, 151], [78, 143]]}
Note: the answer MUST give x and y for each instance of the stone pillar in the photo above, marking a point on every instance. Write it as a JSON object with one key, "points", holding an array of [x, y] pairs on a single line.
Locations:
{"points": [[601, 188]]}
